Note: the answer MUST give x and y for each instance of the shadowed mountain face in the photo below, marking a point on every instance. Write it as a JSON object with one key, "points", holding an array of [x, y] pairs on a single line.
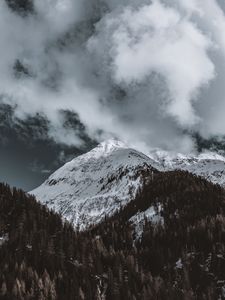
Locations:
{"points": [[180, 257], [216, 144]]}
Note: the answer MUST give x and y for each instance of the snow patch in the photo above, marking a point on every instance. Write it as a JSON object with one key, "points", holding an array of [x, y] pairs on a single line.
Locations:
{"points": [[3, 239], [152, 214], [179, 264]]}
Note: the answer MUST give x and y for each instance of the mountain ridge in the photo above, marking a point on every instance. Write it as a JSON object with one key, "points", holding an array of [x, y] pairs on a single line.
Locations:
{"points": [[97, 184], [208, 165]]}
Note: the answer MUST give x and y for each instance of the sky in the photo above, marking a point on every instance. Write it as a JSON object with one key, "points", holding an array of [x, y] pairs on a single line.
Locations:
{"points": [[150, 73]]}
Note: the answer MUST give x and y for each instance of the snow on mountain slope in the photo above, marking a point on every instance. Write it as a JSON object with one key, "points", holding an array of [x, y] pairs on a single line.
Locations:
{"points": [[208, 165], [96, 184], [100, 182]]}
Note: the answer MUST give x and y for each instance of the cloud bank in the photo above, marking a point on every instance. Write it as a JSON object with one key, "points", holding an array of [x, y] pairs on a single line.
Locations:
{"points": [[148, 73]]}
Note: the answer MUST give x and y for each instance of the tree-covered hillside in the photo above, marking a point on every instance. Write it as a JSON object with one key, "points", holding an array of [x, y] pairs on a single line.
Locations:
{"points": [[182, 257]]}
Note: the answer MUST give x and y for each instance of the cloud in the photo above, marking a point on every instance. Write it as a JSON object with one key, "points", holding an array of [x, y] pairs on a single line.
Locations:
{"points": [[154, 38], [146, 72]]}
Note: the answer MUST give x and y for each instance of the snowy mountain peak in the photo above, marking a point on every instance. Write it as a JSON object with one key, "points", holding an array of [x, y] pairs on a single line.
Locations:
{"points": [[110, 145], [102, 150], [100, 182], [95, 184]]}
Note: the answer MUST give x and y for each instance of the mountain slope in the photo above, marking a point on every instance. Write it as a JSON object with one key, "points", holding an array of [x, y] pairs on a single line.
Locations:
{"points": [[96, 184], [182, 258], [208, 165]]}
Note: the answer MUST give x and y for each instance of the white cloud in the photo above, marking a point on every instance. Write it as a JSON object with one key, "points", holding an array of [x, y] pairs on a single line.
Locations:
{"points": [[158, 39], [144, 71]]}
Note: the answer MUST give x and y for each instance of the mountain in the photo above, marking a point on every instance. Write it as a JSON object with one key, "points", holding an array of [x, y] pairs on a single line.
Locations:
{"points": [[96, 184], [182, 257], [208, 165]]}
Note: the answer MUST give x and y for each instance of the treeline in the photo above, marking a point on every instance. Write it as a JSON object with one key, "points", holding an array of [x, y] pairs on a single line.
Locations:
{"points": [[183, 258]]}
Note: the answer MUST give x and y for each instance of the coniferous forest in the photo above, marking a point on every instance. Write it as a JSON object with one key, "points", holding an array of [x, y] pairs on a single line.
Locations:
{"points": [[183, 257]]}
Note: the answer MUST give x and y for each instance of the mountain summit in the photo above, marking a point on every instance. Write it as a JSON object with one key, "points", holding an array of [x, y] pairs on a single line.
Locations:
{"points": [[96, 184]]}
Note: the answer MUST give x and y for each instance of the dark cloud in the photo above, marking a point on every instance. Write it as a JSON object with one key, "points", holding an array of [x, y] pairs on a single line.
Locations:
{"points": [[21, 7], [27, 154]]}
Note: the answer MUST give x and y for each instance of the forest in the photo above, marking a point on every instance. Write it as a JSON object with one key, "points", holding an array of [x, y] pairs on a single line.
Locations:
{"points": [[183, 257]]}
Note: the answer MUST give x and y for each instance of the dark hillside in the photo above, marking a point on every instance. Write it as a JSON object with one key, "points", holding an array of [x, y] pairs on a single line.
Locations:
{"points": [[184, 258]]}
